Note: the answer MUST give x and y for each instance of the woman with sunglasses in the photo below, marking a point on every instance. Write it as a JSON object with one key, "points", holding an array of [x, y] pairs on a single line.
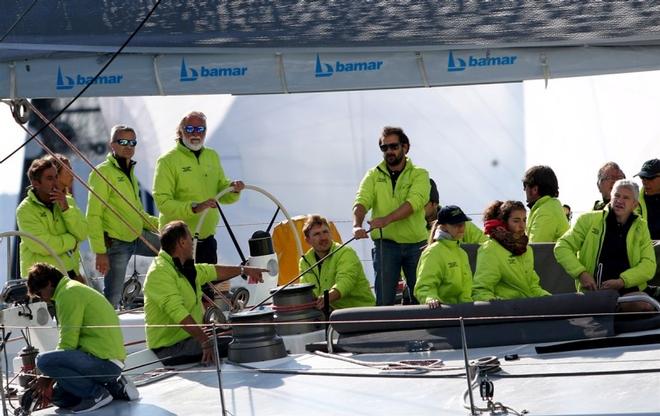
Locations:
{"points": [[505, 263]]}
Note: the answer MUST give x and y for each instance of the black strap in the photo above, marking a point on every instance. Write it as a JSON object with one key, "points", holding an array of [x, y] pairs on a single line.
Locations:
{"points": [[272, 220], [231, 234]]}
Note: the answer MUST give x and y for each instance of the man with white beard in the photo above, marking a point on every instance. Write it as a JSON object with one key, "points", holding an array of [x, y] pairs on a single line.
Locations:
{"points": [[186, 182]]}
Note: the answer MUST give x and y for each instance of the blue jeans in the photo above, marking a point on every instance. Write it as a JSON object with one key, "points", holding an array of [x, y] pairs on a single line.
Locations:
{"points": [[396, 257], [119, 254], [78, 374]]}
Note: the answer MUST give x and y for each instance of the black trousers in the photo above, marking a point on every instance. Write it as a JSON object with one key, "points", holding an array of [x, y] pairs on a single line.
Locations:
{"points": [[207, 252]]}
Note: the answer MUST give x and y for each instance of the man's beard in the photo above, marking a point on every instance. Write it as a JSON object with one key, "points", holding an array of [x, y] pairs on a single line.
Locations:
{"points": [[394, 160], [191, 146]]}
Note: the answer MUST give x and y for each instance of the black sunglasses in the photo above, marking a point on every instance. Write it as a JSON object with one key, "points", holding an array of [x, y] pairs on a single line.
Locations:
{"points": [[126, 142], [391, 146]]}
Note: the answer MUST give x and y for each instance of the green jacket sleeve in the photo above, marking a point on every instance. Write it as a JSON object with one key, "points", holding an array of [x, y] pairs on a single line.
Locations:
{"points": [[75, 221], [95, 212], [69, 317], [420, 188], [568, 246], [487, 274], [645, 269], [163, 192], [150, 223], [428, 277], [223, 183], [365, 194], [347, 271], [28, 221]]}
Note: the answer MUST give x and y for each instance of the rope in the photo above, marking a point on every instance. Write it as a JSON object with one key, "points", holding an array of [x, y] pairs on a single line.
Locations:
{"points": [[86, 87], [110, 207]]}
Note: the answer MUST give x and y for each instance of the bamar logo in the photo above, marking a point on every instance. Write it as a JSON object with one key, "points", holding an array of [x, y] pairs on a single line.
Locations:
{"points": [[323, 70], [456, 64], [192, 74], [65, 82]]}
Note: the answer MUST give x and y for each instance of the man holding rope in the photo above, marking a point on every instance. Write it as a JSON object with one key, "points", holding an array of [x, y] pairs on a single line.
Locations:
{"points": [[113, 241], [341, 274], [395, 191]]}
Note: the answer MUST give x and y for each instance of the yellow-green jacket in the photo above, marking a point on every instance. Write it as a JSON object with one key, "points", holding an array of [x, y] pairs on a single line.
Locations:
{"points": [[375, 194], [101, 220], [342, 271], [169, 298], [62, 231], [78, 307], [547, 221], [473, 234], [181, 180], [501, 275], [579, 249], [641, 208], [444, 274]]}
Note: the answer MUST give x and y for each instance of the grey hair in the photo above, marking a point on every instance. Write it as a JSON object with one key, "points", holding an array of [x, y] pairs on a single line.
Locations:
{"points": [[118, 129], [626, 183], [608, 165], [185, 118]]}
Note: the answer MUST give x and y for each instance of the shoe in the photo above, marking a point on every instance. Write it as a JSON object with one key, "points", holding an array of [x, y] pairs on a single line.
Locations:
{"points": [[123, 389], [92, 403]]}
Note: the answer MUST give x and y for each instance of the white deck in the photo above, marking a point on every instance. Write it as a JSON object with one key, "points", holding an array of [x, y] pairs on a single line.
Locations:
{"points": [[356, 391]]}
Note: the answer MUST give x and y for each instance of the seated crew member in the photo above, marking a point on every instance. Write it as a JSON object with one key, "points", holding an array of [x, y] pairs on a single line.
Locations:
{"points": [[173, 295], [86, 367], [341, 273], [547, 220], [649, 196], [610, 249], [505, 263], [443, 273], [52, 216]]}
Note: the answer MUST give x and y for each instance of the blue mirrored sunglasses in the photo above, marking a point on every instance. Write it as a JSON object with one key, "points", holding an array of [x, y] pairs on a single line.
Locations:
{"points": [[126, 142], [196, 129]]}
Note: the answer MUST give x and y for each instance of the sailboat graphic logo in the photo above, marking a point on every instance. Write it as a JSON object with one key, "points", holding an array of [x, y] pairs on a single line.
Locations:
{"points": [[63, 82], [185, 75], [319, 72], [452, 66]]}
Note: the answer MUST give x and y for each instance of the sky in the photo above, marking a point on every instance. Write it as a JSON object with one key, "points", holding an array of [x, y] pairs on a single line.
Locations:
{"points": [[11, 136]]}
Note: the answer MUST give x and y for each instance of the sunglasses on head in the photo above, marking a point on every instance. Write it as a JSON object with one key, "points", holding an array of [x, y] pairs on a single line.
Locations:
{"points": [[391, 146], [126, 142], [195, 129]]}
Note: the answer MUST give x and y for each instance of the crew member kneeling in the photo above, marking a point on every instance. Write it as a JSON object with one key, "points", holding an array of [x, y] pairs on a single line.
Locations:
{"points": [[173, 296], [87, 365]]}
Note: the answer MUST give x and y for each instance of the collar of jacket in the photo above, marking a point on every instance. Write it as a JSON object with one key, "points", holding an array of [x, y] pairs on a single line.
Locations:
{"points": [[382, 166]]}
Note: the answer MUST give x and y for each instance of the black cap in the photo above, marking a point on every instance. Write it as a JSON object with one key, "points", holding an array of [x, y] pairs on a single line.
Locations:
{"points": [[650, 169], [451, 214], [434, 197]]}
